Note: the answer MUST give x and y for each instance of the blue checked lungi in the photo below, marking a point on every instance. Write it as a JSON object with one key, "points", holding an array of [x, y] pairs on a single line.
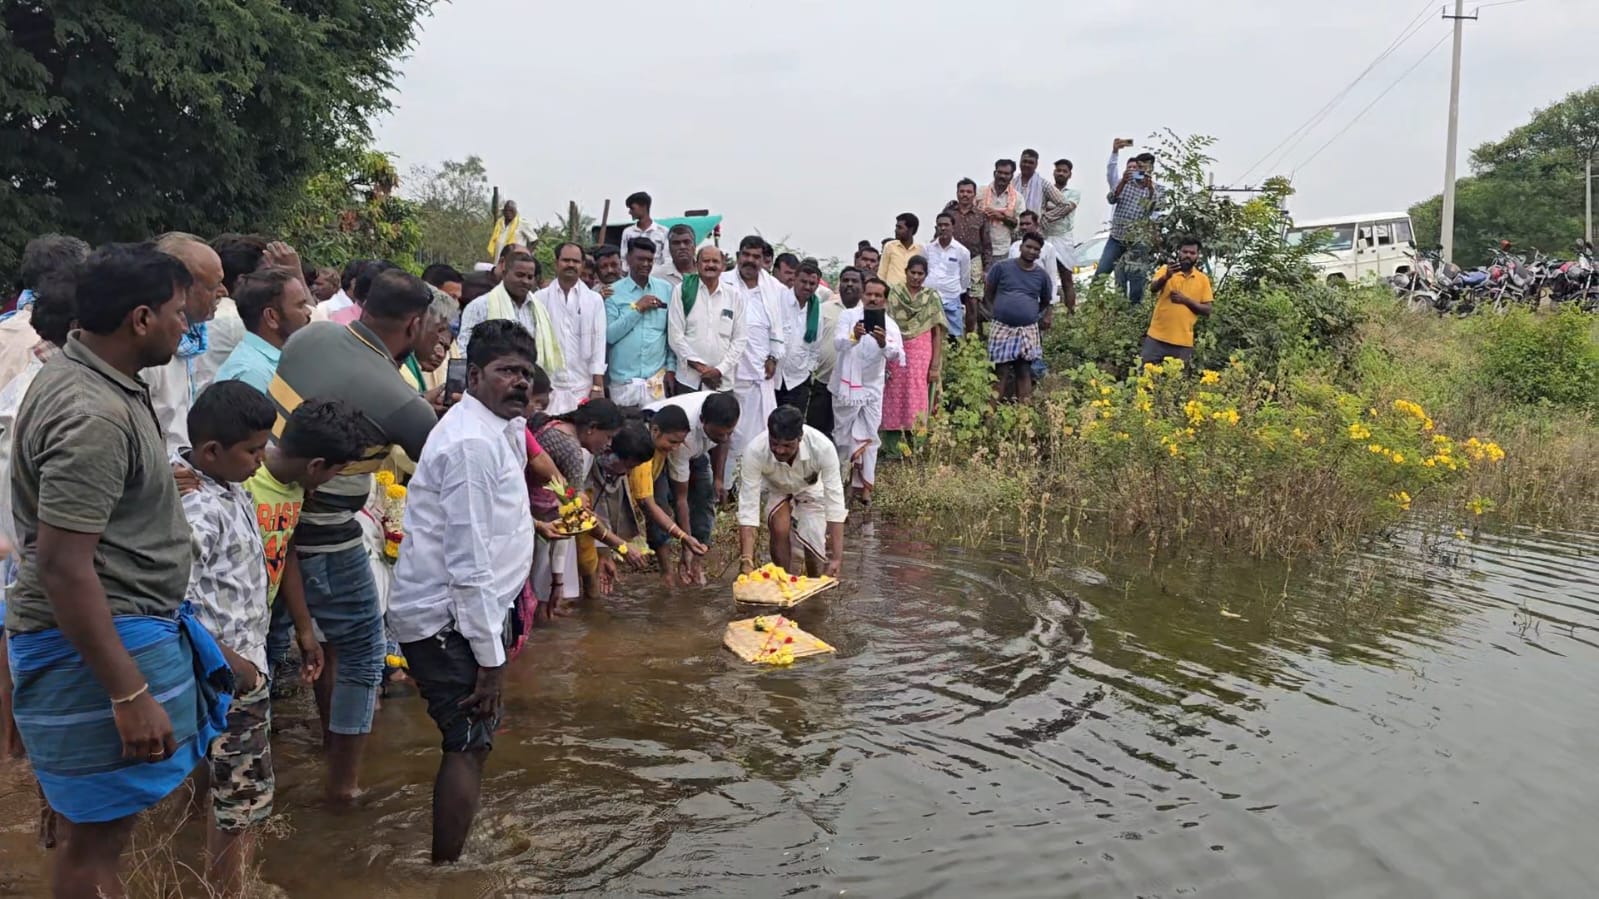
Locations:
{"points": [[64, 715], [1007, 343]]}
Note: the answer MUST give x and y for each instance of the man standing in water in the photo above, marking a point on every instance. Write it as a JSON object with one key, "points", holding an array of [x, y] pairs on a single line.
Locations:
{"points": [[454, 591]]}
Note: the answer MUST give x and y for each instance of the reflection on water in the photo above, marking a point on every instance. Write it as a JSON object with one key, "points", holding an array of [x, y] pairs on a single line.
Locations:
{"points": [[1416, 722]]}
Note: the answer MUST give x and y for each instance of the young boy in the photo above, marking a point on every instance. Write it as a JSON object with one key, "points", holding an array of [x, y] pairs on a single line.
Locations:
{"points": [[241, 553]]}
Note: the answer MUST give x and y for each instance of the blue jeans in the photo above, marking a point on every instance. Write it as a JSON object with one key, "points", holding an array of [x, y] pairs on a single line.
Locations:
{"points": [[1131, 283], [344, 601], [701, 502]]}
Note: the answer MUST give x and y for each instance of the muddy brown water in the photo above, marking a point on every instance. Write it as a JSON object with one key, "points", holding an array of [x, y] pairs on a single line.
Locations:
{"points": [[1418, 721]]}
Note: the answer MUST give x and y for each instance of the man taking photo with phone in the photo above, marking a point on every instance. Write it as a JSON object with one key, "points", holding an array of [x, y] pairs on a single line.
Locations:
{"points": [[1134, 199], [1182, 295]]}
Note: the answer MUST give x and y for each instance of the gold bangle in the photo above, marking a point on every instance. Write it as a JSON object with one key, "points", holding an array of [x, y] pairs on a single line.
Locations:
{"points": [[132, 696]]}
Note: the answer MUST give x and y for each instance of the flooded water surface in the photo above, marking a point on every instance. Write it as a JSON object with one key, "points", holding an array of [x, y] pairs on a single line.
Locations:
{"points": [[1419, 721]]}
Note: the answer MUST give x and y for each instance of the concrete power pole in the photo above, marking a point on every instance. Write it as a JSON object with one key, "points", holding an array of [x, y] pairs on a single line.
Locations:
{"points": [[1448, 217]]}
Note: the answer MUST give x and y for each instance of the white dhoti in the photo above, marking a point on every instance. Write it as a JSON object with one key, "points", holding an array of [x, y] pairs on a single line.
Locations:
{"points": [[1065, 250], [566, 399], [757, 400], [807, 519], [551, 559], [855, 432]]}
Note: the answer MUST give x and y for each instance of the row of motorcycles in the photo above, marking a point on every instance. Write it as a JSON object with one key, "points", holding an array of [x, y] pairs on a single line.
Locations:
{"points": [[1509, 279]]}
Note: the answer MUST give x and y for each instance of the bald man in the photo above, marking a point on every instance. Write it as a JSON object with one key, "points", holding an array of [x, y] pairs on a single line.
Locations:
{"points": [[706, 326], [174, 386]]}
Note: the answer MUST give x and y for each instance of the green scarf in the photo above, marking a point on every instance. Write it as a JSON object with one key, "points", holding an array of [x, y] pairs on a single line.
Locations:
{"points": [[415, 368], [916, 315], [813, 318], [691, 292]]}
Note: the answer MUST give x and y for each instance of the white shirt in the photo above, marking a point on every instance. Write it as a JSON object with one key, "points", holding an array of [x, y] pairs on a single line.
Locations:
{"points": [[698, 442], [578, 317], [325, 309], [799, 358], [655, 233], [222, 333], [814, 471], [667, 271], [173, 388], [1047, 261], [862, 364], [10, 402], [763, 311], [477, 312], [713, 334], [827, 354], [949, 269], [468, 544]]}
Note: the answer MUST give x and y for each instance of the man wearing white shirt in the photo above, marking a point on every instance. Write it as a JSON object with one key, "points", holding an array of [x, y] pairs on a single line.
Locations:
{"points": [[694, 468], [706, 326], [341, 300], [857, 385], [755, 383], [638, 206], [174, 386], [679, 262], [511, 299], [577, 317], [455, 588], [1047, 259], [802, 315], [949, 271], [797, 467]]}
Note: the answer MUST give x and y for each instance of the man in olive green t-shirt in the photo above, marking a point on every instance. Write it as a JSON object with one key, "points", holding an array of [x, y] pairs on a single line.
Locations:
{"points": [[105, 693]]}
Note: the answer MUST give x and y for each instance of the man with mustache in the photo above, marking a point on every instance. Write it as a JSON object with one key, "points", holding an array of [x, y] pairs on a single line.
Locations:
{"points": [[574, 351], [454, 591]]}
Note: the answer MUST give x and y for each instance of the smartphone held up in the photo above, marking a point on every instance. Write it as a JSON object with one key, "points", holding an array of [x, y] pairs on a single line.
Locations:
{"points": [[454, 380]]}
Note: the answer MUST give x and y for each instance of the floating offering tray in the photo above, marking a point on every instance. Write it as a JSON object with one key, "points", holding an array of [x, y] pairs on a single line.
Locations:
{"points": [[775, 588], [771, 640]]}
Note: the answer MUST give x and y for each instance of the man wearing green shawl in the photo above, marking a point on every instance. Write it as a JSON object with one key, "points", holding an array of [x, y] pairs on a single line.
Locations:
{"points": [[801, 314]]}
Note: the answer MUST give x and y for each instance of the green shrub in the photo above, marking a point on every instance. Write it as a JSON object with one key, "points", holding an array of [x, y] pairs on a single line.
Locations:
{"points": [[1540, 358]]}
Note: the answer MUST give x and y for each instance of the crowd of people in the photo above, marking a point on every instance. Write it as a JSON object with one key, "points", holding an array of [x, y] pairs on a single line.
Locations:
{"points": [[199, 440]]}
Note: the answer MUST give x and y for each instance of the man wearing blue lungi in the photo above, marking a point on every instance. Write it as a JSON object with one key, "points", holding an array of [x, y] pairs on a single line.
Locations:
{"points": [[117, 691]]}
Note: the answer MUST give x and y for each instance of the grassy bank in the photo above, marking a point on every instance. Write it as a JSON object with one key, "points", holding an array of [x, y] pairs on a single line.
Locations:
{"points": [[1311, 420]]}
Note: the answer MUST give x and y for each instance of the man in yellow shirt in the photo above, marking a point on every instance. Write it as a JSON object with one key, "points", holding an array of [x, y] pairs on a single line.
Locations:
{"points": [[1182, 295]]}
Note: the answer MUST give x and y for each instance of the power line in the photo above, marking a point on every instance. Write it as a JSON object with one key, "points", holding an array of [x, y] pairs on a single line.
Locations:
{"points": [[1359, 115], [1405, 34]]}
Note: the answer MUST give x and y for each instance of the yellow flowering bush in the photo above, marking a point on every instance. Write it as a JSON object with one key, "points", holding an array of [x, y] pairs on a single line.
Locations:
{"points": [[1169, 453]]}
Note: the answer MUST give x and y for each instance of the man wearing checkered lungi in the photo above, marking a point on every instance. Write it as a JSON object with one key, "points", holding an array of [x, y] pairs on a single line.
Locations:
{"points": [[1020, 292]]}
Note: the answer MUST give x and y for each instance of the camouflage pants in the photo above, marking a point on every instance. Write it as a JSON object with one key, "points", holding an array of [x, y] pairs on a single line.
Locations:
{"points": [[241, 763]]}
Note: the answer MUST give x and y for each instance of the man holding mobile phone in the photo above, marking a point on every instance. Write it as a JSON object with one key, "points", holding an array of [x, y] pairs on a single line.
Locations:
{"points": [[1182, 294], [1135, 199]]}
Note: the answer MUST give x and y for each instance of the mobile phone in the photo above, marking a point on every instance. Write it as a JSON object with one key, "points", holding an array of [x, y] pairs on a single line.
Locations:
{"points": [[874, 319], [454, 380]]}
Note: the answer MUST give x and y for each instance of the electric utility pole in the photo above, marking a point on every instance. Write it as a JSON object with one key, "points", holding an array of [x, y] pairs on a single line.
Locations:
{"points": [[1448, 217]]}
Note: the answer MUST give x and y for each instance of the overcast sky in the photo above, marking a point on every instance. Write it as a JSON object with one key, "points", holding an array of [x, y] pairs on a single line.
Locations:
{"points": [[816, 122]]}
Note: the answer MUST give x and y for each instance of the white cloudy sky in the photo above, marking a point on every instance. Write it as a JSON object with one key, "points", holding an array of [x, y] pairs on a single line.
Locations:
{"points": [[816, 121]]}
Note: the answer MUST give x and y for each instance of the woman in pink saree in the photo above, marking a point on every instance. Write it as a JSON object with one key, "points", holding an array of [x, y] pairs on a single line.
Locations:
{"points": [[919, 312]]}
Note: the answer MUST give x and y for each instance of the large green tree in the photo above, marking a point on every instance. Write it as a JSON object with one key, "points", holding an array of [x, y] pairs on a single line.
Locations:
{"points": [[453, 209], [1526, 187], [121, 118]]}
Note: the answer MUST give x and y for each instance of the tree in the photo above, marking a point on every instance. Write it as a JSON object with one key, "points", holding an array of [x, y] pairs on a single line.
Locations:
{"points": [[452, 204], [1243, 241], [350, 212], [123, 118], [1526, 187]]}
